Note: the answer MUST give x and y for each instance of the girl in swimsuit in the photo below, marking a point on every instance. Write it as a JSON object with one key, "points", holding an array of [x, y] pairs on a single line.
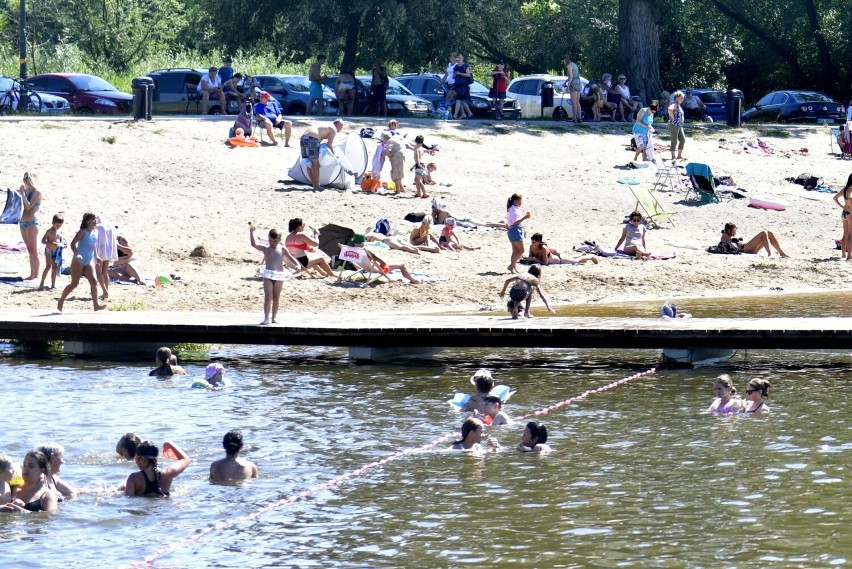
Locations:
{"points": [[756, 391], [34, 495], [7, 472], [166, 363], [420, 237], [522, 288], [846, 218], [31, 197], [83, 249], [55, 454], [471, 436], [299, 243], [541, 253], [725, 403], [150, 481], [534, 439]]}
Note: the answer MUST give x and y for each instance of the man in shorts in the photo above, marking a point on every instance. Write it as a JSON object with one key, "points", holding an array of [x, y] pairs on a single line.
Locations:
{"points": [[210, 85], [309, 146], [317, 80], [268, 112]]}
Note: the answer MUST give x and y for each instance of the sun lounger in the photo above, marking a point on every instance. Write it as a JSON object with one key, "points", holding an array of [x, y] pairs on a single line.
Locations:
{"points": [[648, 202]]}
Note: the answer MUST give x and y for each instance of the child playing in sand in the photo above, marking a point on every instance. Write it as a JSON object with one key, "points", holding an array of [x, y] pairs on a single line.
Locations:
{"points": [[273, 258], [448, 238], [53, 245], [427, 178], [419, 168], [522, 287], [484, 384], [493, 414]]}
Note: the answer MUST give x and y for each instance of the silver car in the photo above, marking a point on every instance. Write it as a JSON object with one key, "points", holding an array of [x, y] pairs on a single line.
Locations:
{"points": [[50, 104]]}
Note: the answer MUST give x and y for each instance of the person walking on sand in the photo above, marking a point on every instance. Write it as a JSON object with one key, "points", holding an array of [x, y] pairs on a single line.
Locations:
{"points": [[521, 291], [232, 467], [846, 218], [676, 135], [514, 218], [31, 198], [273, 259], [642, 131], [53, 246], [83, 248], [309, 146]]}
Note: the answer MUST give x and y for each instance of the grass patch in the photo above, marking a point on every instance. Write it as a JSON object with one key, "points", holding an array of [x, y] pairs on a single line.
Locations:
{"points": [[109, 139], [459, 138], [159, 131], [773, 133], [547, 127], [501, 129], [128, 307], [50, 126], [189, 351]]}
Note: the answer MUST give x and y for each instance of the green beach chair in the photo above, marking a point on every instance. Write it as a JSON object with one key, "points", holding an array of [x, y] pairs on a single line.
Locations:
{"points": [[648, 202]]}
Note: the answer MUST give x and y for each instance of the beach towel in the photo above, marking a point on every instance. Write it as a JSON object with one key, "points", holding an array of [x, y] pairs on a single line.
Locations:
{"points": [[12, 247], [378, 161], [107, 246], [660, 255], [14, 207]]}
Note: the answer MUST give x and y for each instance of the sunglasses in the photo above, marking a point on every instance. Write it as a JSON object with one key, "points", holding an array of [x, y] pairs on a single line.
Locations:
{"points": [[750, 391]]}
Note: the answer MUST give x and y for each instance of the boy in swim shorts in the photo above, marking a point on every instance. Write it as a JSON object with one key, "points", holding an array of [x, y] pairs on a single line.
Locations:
{"points": [[53, 246], [273, 257]]}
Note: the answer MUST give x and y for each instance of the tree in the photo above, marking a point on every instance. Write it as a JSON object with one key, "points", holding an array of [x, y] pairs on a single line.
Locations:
{"points": [[639, 47]]}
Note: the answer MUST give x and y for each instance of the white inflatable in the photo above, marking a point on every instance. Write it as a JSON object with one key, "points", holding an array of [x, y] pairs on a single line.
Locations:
{"points": [[338, 169], [767, 202]]}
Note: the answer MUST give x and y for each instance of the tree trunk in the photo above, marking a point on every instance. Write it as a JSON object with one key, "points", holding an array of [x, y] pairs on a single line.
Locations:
{"points": [[639, 48], [827, 74], [352, 24]]}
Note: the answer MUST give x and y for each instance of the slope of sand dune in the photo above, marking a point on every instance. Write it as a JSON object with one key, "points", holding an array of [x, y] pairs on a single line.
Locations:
{"points": [[173, 185]]}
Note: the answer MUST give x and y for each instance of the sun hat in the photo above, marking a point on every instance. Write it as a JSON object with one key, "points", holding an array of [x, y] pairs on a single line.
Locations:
{"points": [[212, 370], [451, 221]]}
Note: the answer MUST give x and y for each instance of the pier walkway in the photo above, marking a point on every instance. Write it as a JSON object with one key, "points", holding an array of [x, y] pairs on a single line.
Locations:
{"points": [[404, 330]]}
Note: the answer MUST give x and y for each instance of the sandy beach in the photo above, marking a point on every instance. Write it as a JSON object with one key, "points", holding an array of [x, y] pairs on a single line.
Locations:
{"points": [[174, 185]]}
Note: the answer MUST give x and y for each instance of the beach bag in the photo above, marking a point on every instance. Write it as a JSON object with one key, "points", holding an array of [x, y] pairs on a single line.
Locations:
{"points": [[809, 181], [724, 248], [367, 132], [383, 226], [415, 217]]}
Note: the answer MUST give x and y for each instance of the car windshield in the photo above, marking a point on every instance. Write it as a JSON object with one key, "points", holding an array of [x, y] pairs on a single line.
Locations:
{"points": [[394, 86], [91, 83], [812, 96], [559, 84], [712, 97]]}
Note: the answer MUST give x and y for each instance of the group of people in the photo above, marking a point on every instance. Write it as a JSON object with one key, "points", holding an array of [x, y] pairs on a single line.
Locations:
{"points": [[727, 402], [97, 251]]}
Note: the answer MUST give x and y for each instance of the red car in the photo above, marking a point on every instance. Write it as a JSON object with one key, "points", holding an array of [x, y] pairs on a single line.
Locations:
{"points": [[87, 94]]}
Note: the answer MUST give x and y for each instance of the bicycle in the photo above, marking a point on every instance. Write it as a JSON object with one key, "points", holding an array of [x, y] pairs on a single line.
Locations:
{"points": [[10, 101]]}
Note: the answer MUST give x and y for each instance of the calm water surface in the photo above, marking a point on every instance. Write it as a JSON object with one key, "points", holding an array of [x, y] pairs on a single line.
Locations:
{"points": [[640, 476]]}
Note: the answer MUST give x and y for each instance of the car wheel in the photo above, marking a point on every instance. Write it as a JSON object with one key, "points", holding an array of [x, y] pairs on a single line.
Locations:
{"points": [[33, 103], [781, 120], [215, 111], [85, 111], [297, 110], [560, 114]]}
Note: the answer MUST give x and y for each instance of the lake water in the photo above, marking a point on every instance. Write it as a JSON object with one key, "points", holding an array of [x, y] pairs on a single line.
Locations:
{"points": [[639, 476]]}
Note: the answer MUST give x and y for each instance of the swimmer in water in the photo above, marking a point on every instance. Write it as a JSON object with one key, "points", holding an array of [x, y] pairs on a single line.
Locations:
{"points": [[756, 391], [55, 454], [534, 439], [232, 467], [471, 435], [7, 472], [34, 496], [150, 481], [494, 414], [127, 446], [725, 402], [166, 363], [214, 375], [484, 384]]}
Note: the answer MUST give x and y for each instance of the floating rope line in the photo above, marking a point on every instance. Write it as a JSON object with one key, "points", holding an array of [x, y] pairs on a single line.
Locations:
{"points": [[358, 472]]}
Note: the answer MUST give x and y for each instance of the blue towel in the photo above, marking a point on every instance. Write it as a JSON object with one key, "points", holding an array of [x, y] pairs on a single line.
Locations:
{"points": [[14, 207], [698, 169]]}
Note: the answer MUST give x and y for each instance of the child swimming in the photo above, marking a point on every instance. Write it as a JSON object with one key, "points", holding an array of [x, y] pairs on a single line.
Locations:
{"points": [[232, 467], [534, 439], [494, 414], [484, 383]]}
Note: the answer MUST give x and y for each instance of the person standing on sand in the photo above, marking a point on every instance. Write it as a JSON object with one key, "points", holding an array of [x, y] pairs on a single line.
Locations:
{"points": [[309, 146], [232, 467], [676, 135], [317, 79], [846, 218], [273, 259], [83, 248], [31, 198], [514, 219]]}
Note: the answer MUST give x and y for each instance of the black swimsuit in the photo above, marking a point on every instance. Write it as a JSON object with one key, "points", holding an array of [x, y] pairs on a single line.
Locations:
{"points": [[35, 505], [756, 408], [152, 487]]}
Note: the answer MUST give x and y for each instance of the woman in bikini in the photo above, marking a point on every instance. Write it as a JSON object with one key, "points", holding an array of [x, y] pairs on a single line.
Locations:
{"points": [[31, 197], [83, 247], [299, 243], [756, 392], [150, 481], [760, 241], [421, 238], [725, 403], [34, 496], [541, 253], [521, 291], [846, 217]]}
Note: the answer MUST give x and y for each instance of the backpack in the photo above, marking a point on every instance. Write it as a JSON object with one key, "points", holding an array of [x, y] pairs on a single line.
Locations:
{"points": [[383, 226], [809, 181]]}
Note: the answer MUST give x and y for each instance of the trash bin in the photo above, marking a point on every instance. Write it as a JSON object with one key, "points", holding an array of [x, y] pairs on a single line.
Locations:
{"points": [[734, 107], [546, 96], [143, 97]]}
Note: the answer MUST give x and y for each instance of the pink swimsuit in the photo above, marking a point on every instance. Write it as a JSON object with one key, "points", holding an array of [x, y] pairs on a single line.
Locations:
{"points": [[717, 407]]}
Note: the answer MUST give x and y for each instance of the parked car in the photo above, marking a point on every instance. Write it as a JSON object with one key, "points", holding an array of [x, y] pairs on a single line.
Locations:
{"points": [[789, 106], [429, 87], [50, 104], [527, 91], [401, 101], [293, 93], [87, 94], [176, 92], [714, 101]]}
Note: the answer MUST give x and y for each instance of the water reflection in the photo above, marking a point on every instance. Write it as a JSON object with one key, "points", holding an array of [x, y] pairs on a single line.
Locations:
{"points": [[639, 476]]}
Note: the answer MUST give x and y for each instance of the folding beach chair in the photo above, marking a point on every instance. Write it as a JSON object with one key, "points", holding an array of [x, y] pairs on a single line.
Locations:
{"points": [[654, 212], [366, 264], [701, 183]]}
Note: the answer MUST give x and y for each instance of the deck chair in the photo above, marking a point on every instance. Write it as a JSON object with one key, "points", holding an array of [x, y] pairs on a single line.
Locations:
{"points": [[192, 96], [366, 264], [701, 182], [654, 212]]}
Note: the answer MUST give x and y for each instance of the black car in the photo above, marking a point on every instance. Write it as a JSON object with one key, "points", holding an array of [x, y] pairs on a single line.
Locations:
{"points": [[401, 101], [429, 86], [789, 106]]}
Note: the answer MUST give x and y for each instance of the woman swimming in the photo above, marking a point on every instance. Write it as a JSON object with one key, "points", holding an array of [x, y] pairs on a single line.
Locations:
{"points": [[534, 439], [150, 481], [232, 467], [166, 363], [471, 436], [55, 454], [34, 496], [756, 392], [725, 403], [127, 445]]}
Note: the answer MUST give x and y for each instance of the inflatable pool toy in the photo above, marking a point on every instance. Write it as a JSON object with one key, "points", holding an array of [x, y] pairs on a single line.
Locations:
{"points": [[16, 480], [370, 184], [243, 141], [202, 384], [766, 202], [265, 273], [459, 400]]}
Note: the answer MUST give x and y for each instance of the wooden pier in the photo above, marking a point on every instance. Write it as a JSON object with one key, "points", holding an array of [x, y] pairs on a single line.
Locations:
{"points": [[424, 331]]}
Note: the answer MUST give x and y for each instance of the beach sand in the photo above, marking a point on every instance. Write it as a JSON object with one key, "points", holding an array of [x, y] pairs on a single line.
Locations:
{"points": [[174, 185]]}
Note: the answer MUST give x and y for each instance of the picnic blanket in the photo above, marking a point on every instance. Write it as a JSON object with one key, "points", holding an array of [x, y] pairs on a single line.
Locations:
{"points": [[760, 147]]}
